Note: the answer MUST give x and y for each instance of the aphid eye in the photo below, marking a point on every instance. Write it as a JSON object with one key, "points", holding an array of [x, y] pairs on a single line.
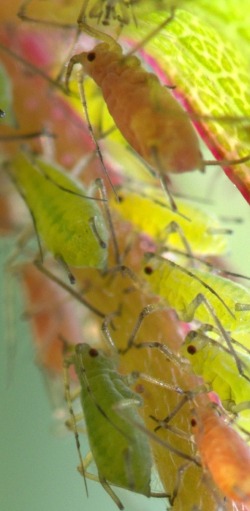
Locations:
{"points": [[191, 349], [139, 388], [93, 352], [91, 56], [148, 270], [193, 423], [120, 198]]}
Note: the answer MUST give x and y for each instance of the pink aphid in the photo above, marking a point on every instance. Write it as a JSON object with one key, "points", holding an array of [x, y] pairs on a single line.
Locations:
{"points": [[224, 453], [146, 113]]}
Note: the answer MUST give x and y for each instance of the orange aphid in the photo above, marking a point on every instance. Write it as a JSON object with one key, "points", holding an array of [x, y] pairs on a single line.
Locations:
{"points": [[148, 116], [51, 314], [224, 453]]}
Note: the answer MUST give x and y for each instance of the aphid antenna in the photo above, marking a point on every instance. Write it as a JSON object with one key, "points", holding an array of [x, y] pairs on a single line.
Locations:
{"points": [[35, 162], [101, 186], [27, 136], [215, 269], [90, 127], [154, 32], [201, 333], [36, 70]]}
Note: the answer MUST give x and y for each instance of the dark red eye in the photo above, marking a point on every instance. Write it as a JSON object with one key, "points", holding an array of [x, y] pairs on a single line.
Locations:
{"points": [[93, 352], [191, 349], [148, 270], [193, 423], [91, 56]]}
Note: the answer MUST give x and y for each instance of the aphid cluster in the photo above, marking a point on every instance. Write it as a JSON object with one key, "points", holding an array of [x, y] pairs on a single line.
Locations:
{"points": [[132, 256]]}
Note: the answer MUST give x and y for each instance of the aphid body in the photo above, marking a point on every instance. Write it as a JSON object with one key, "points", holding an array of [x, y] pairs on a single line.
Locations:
{"points": [[145, 112], [180, 287], [148, 213], [224, 453], [120, 451], [62, 215]]}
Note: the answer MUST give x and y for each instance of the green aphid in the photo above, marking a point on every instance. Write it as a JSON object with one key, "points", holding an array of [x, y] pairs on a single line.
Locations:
{"points": [[71, 225], [120, 450]]}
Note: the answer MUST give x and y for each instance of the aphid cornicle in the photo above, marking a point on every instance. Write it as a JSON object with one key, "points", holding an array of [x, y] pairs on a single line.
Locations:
{"points": [[224, 453], [120, 451], [146, 113], [71, 225]]}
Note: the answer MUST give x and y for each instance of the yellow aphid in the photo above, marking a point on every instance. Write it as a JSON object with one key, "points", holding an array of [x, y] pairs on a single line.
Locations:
{"points": [[149, 213]]}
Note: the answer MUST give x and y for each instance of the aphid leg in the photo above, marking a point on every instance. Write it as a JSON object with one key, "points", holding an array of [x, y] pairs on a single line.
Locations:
{"points": [[174, 227], [22, 14], [189, 315], [160, 441], [110, 492], [64, 265], [93, 32], [163, 423], [163, 179], [71, 64], [99, 479], [100, 184], [69, 289], [180, 472], [149, 309], [135, 375], [66, 365]]}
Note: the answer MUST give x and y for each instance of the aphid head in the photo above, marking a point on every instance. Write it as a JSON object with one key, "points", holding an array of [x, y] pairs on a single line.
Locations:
{"points": [[96, 60]]}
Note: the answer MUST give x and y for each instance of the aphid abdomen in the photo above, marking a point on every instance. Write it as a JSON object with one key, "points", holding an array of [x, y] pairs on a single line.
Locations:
{"points": [[225, 454]]}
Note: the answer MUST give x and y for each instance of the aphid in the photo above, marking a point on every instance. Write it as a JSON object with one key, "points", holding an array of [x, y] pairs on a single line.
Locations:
{"points": [[149, 213], [71, 225], [143, 109], [224, 453], [213, 361], [148, 116], [202, 296], [121, 453]]}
